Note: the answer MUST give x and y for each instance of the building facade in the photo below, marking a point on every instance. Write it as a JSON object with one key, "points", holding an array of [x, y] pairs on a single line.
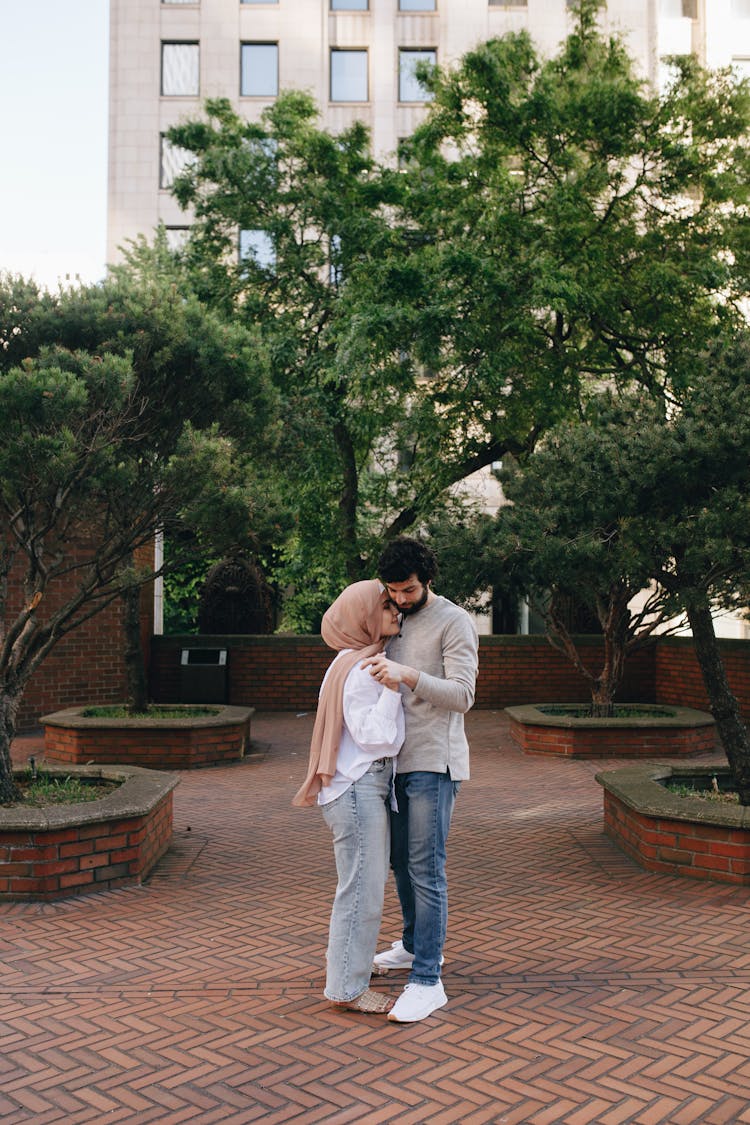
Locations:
{"points": [[357, 58]]}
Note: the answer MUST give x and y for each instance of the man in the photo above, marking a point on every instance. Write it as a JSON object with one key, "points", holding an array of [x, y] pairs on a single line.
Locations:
{"points": [[434, 659]]}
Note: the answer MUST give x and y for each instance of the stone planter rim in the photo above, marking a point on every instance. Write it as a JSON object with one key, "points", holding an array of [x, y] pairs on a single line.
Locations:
{"points": [[531, 715], [140, 792], [638, 787], [73, 718]]}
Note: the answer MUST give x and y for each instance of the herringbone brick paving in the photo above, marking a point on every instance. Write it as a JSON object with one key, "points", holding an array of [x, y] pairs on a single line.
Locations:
{"points": [[583, 991]]}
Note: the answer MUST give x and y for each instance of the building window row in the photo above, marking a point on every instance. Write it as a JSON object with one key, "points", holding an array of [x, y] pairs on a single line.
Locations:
{"points": [[259, 72], [344, 5]]}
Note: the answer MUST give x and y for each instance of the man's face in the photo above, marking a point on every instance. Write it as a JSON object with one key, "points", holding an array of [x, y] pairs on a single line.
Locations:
{"points": [[408, 596]]}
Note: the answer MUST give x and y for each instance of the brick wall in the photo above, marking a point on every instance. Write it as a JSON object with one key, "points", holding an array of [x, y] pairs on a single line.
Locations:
{"points": [[284, 673], [679, 847], [678, 678], [60, 862], [87, 665]]}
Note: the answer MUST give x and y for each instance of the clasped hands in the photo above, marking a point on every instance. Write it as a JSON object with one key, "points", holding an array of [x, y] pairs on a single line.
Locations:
{"points": [[388, 672]]}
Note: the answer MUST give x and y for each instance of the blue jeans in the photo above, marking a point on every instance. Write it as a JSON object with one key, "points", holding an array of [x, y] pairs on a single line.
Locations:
{"points": [[419, 831], [358, 821]]}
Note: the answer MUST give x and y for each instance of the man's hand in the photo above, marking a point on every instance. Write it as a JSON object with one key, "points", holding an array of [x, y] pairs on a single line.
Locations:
{"points": [[389, 673]]}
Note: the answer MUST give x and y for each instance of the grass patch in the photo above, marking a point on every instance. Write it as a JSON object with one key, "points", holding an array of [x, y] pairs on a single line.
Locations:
{"points": [[39, 790], [621, 711], [710, 789], [120, 712]]}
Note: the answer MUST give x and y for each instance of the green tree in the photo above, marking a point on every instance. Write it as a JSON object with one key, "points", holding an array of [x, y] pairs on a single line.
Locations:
{"points": [[319, 200], [698, 483], [568, 536], [553, 224], [118, 404], [641, 493]]}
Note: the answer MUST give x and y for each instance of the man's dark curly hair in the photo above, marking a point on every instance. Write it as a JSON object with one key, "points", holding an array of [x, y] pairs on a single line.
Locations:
{"points": [[403, 557]]}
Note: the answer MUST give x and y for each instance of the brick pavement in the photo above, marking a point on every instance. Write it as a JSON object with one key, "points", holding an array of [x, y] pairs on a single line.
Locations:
{"points": [[583, 991]]}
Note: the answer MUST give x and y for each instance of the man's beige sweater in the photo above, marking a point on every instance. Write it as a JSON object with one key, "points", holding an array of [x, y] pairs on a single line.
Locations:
{"points": [[440, 641]]}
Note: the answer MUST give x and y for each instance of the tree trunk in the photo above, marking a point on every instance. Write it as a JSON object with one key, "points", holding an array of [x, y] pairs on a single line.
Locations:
{"points": [[8, 713], [724, 706], [602, 702], [348, 502], [135, 666]]}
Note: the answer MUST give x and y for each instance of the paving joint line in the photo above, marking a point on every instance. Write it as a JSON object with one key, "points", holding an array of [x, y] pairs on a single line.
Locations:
{"points": [[583, 983]]}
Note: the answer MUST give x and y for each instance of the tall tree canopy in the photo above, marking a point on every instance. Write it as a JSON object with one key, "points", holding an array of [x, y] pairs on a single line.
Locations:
{"points": [[118, 407], [551, 225]]}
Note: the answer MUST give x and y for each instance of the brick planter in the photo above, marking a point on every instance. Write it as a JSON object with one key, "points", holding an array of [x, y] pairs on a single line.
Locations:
{"points": [[65, 850], [175, 744], [676, 835], [679, 731]]}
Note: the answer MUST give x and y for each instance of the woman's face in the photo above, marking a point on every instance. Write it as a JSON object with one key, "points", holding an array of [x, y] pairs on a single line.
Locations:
{"points": [[390, 625]]}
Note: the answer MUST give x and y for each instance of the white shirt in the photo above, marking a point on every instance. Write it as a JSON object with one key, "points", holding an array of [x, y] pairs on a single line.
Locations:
{"points": [[373, 729]]}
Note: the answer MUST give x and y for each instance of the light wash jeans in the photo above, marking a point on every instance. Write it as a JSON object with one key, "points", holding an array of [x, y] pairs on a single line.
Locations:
{"points": [[419, 832], [358, 821]]}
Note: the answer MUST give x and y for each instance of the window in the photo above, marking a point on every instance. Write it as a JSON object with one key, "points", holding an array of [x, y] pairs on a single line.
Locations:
{"points": [[259, 1], [509, 3], [349, 76], [416, 5], [176, 237], [678, 9], [335, 269], [180, 69], [668, 74], [257, 244], [410, 88], [260, 70], [349, 5], [179, 1], [172, 161]]}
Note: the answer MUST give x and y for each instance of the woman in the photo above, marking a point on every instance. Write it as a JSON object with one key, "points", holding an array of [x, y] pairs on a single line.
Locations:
{"points": [[358, 731]]}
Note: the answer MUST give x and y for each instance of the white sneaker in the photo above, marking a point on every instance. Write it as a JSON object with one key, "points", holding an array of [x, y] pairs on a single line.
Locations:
{"points": [[417, 1001], [394, 958]]}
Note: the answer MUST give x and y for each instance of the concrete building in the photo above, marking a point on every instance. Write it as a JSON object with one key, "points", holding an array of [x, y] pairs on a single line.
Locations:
{"points": [[357, 58]]}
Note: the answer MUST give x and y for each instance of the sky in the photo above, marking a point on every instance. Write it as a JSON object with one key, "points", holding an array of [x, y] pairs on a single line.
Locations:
{"points": [[53, 133]]}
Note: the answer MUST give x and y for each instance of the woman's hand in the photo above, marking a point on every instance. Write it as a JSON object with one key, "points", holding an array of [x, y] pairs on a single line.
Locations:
{"points": [[389, 673]]}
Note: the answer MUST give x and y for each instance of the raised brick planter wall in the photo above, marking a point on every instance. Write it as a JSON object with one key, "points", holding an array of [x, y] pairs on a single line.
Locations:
{"points": [[685, 732], [62, 851], [668, 834], [205, 740]]}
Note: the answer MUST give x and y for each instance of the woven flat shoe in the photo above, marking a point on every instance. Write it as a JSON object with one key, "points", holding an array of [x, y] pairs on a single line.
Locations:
{"points": [[370, 1002]]}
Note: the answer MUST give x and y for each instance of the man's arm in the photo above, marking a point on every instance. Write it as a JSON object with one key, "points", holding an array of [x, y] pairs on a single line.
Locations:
{"points": [[454, 691]]}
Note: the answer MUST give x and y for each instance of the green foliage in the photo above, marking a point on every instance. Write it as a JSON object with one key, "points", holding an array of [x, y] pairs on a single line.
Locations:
{"points": [[121, 406], [639, 493], [555, 225], [44, 789], [182, 588]]}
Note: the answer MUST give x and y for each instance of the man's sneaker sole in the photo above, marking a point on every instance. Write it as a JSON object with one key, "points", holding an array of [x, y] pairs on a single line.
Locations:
{"points": [[379, 970], [411, 1009]]}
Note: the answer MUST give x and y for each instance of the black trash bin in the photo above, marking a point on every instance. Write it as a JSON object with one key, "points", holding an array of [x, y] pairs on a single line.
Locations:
{"points": [[203, 675]]}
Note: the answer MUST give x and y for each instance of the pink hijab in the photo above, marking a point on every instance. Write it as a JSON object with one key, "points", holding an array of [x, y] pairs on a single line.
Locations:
{"points": [[354, 621]]}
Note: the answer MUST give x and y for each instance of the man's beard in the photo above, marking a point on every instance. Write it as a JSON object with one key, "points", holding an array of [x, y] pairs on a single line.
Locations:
{"points": [[407, 611]]}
